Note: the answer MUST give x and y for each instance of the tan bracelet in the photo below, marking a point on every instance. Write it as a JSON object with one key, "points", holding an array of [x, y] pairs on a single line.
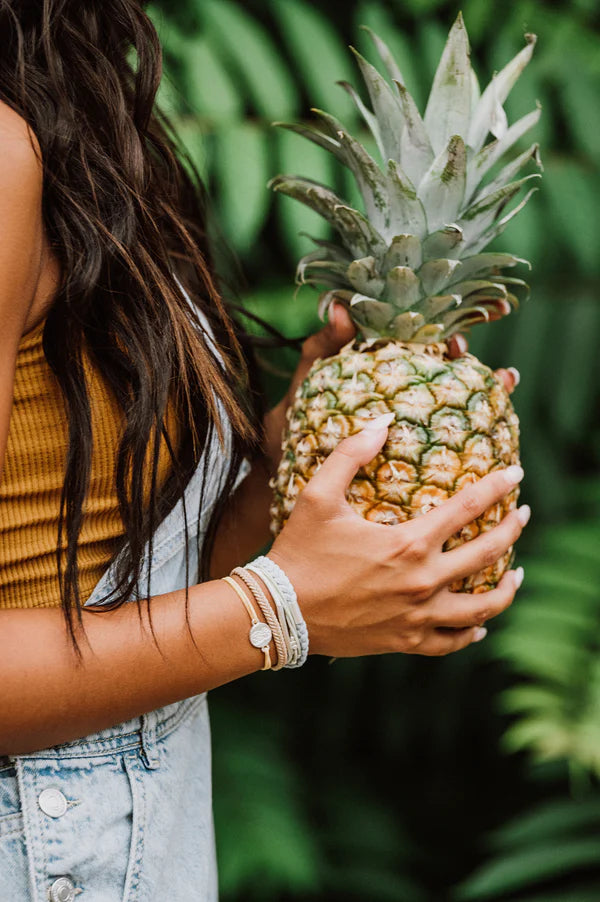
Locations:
{"points": [[268, 612], [260, 633]]}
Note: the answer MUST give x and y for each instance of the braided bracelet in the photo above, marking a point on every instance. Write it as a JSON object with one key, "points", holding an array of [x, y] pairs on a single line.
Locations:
{"points": [[260, 633], [288, 598], [286, 619], [267, 610]]}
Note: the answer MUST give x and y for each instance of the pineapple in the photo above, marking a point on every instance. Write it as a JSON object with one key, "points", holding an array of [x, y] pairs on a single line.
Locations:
{"points": [[411, 271]]}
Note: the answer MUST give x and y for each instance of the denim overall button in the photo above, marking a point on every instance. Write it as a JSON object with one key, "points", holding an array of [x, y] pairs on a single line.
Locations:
{"points": [[53, 803], [62, 890]]}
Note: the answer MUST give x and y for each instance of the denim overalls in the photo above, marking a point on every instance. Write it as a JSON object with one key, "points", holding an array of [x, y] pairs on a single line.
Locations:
{"points": [[125, 814]]}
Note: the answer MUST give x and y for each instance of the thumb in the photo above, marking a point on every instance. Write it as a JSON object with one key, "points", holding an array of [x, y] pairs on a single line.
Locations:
{"points": [[338, 331], [338, 470]]}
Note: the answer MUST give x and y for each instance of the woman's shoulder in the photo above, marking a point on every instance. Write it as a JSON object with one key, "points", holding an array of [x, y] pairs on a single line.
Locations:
{"points": [[19, 147]]}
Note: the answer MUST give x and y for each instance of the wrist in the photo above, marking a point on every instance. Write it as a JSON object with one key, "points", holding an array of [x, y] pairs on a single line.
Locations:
{"points": [[244, 588]]}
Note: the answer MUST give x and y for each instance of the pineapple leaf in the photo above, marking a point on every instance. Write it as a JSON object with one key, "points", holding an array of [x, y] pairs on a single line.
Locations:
{"points": [[386, 55], [432, 307], [369, 177], [443, 243], [464, 289], [407, 213], [480, 216], [372, 316], [363, 276], [497, 229], [428, 333], [355, 230], [357, 233], [416, 150], [319, 271], [449, 106], [365, 112], [511, 170], [404, 326], [436, 274], [405, 250], [486, 112], [315, 135], [442, 189], [403, 287], [386, 107], [485, 159], [482, 265]]}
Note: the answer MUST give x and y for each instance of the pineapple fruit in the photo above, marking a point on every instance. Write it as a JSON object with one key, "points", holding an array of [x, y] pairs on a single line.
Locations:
{"points": [[411, 271]]}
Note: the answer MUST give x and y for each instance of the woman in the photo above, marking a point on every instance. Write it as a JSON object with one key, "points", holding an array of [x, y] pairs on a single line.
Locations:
{"points": [[104, 738]]}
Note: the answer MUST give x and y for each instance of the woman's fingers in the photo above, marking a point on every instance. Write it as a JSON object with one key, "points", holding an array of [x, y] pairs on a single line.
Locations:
{"points": [[444, 642], [462, 611], [510, 378], [457, 345], [486, 549], [465, 506], [335, 474], [337, 332]]}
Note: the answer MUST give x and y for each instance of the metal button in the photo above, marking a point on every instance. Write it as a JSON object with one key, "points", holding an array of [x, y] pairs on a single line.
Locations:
{"points": [[52, 802], [62, 890]]}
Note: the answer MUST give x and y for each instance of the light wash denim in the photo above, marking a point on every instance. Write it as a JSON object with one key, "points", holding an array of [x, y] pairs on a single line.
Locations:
{"points": [[125, 814]]}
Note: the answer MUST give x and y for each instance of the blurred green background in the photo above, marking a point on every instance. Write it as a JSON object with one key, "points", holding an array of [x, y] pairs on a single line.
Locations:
{"points": [[472, 777]]}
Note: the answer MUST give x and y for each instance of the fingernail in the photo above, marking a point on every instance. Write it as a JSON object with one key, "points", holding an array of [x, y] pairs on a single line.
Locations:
{"points": [[480, 634], [519, 574], [380, 422], [524, 513], [515, 374], [514, 474], [461, 343]]}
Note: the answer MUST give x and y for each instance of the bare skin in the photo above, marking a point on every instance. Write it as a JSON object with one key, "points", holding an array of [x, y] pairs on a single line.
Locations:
{"points": [[388, 595]]}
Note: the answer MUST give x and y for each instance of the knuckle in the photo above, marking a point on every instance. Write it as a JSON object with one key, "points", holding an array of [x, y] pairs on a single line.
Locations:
{"points": [[489, 552], [470, 502], [417, 548], [418, 618], [412, 640], [422, 588], [313, 496]]}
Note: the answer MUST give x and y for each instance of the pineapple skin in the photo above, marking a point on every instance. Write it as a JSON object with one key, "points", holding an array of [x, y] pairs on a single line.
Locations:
{"points": [[454, 423]]}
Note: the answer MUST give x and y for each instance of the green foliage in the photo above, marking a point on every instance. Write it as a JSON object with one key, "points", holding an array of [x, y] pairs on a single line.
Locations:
{"points": [[389, 779], [551, 640], [558, 839], [265, 843]]}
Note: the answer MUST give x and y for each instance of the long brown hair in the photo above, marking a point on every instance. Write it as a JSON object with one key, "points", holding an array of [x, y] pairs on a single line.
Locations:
{"points": [[126, 220]]}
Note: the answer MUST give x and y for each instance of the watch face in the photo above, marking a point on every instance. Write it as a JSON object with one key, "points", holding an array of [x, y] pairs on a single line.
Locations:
{"points": [[260, 635]]}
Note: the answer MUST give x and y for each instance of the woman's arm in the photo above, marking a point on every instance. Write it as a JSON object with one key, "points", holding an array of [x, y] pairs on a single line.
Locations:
{"points": [[47, 697], [21, 249], [363, 588]]}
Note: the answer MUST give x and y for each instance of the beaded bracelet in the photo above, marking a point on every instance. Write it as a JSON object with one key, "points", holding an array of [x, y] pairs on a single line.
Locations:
{"points": [[287, 595], [260, 634], [267, 610]]}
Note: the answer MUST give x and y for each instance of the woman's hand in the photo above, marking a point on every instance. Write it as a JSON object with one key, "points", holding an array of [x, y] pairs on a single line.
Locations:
{"points": [[337, 332], [366, 588]]}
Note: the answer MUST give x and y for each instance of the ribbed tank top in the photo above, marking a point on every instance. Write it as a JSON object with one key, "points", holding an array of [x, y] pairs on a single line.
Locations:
{"points": [[33, 476]]}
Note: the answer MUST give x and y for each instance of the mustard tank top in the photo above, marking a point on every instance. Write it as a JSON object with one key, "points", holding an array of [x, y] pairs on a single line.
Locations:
{"points": [[33, 476]]}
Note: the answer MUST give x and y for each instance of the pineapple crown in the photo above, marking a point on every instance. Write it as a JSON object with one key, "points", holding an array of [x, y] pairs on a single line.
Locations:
{"points": [[410, 266]]}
